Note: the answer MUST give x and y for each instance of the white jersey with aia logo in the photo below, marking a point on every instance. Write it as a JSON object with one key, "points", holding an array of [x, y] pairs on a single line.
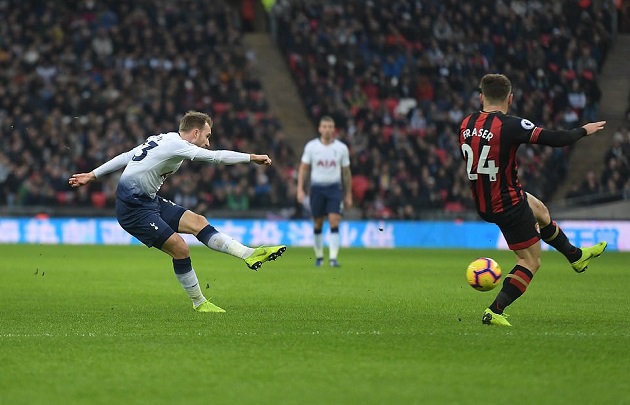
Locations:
{"points": [[326, 161]]}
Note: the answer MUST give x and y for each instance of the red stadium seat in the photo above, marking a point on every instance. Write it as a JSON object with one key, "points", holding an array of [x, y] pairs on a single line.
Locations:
{"points": [[391, 104], [259, 116], [454, 206], [220, 108], [99, 199], [64, 197], [374, 103], [360, 184], [387, 133]]}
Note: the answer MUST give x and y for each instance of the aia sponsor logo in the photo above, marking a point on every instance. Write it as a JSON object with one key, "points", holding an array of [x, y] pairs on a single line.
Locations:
{"points": [[326, 163]]}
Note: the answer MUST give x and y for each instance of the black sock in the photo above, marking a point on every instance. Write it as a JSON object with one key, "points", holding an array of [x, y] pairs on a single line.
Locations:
{"points": [[552, 235], [514, 285]]}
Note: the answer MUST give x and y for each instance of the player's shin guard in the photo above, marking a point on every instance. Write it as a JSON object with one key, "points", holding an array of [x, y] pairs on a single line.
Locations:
{"points": [[221, 242], [552, 235], [206, 233], [514, 285]]}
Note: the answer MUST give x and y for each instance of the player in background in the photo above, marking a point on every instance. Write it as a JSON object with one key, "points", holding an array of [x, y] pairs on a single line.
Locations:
{"points": [[156, 221], [489, 140], [326, 164]]}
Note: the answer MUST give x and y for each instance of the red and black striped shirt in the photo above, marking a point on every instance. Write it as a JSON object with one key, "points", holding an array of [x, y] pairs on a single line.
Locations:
{"points": [[489, 141]]}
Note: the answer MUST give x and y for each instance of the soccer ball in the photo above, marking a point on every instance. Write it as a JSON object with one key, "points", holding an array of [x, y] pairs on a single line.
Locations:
{"points": [[483, 274]]}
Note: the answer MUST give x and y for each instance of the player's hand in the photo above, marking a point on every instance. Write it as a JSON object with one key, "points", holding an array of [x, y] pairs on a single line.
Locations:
{"points": [[300, 196], [260, 159], [347, 201], [81, 179], [593, 127]]}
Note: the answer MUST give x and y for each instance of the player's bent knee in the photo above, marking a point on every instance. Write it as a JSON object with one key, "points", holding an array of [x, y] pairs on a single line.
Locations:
{"points": [[181, 251], [192, 223], [176, 247], [200, 222]]}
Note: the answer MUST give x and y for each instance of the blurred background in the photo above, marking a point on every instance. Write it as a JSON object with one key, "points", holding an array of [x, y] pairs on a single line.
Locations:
{"points": [[84, 81]]}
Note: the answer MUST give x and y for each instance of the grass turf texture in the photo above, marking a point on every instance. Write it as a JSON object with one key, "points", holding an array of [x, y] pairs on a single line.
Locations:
{"points": [[98, 325]]}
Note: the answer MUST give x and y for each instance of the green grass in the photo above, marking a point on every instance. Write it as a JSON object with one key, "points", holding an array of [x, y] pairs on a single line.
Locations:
{"points": [[100, 325]]}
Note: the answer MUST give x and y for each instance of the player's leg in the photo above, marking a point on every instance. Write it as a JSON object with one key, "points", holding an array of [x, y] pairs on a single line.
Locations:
{"points": [[550, 232], [318, 211], [517, 281], [334, 208], [334, 219], [146, 224], [177, 248], [318, 240], [199, 226], [521, 235], [553, 235], [195, 224]]}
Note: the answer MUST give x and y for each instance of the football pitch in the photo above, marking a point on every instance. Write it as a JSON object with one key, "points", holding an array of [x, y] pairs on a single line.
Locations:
{"points": [[106, 324]]}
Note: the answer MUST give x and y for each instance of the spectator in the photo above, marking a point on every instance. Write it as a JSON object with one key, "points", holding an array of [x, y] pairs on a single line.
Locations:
{"points": [[434, 56], [79, 85]]}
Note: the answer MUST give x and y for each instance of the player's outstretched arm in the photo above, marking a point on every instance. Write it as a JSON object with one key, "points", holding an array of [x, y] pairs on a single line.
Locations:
{"points": [[260, 159], [120, 161], [593, 127], [81, 179], [567, 137]]}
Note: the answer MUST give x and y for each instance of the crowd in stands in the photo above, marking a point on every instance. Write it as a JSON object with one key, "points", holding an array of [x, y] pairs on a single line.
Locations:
{"points": [[81, 82], [399, 75], [614, 181]]}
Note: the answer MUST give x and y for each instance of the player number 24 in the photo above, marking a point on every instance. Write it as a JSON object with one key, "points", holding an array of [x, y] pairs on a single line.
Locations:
{"points": [[484, 166]]}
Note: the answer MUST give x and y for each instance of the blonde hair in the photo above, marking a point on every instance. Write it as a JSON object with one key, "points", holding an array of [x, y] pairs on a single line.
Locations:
{"points": [[327, 118]]}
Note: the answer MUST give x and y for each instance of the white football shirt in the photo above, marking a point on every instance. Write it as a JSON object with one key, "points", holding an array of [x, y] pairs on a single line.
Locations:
{"points": [[149, 164], [326, 161]]}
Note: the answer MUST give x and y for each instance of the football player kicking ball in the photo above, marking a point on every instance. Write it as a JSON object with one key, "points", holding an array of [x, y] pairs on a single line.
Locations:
{"points": [[156, 221], [489, 140]]}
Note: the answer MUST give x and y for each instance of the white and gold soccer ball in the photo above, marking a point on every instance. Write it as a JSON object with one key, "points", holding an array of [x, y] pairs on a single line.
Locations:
{"points": [[483, 274]]}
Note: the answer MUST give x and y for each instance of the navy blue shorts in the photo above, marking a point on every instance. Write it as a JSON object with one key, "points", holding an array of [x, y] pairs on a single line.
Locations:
{"points": [[326, 200], [151, 222]]}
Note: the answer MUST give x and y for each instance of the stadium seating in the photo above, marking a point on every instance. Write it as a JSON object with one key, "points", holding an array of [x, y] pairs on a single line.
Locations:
{"points": [[433, 54], [82, 83]]}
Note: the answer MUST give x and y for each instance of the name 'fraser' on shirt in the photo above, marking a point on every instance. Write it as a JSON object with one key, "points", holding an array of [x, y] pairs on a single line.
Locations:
{"points": [[484, 133]]}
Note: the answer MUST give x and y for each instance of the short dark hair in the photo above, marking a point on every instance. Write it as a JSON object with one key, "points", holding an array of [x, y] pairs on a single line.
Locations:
{"points": [[495, 87], [194, 120]]}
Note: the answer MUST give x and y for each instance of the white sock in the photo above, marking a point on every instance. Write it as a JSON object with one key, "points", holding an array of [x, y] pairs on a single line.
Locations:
{"points": [[334, 245], [191, 285], [226, 244], [318, 245]]}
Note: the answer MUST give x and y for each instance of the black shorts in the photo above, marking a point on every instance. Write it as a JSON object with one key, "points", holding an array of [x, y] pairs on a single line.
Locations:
{"points": [[519, 226]]}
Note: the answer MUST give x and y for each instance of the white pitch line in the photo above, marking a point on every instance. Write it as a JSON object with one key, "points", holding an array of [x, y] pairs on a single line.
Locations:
{"points": [[10, 335]]}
